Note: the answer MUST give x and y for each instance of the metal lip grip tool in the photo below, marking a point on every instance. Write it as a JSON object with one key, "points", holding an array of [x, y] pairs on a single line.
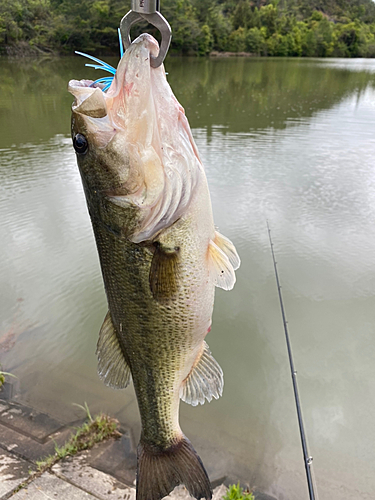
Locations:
{"points": [[147, 10]]}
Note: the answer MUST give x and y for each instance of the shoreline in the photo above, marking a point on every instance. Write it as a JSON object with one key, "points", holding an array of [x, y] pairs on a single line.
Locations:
{"points": [[105, 471], [25, 51]]}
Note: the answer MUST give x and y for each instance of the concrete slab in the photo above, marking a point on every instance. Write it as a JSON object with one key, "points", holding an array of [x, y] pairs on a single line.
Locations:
{"points": [[3, 406], [13, 472], [28, 421], [82, 475], [181, 493], [28, 448], [51, 487], [116, 457]]}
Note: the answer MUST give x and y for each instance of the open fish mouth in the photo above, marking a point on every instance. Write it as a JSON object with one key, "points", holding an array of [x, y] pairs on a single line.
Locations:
{"points": [[139, 114], [131, 79], [87, 84], [125, 103]]}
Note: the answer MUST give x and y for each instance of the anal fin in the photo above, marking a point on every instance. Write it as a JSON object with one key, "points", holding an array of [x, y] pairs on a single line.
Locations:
{"points": [[112, 366], [205, 381]]}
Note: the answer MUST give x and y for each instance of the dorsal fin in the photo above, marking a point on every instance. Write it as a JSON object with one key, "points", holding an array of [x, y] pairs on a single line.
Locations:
{"points": [[205, 381], [112, 366]]}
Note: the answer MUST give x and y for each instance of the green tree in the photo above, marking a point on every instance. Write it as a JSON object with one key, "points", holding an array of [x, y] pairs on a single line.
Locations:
{"points": [[348, 35], [268, 18], [246, 16], [255, 41], [237, 40], [220, 27], [344, 28]]}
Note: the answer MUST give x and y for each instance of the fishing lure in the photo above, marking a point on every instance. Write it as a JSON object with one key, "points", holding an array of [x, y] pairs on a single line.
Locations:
{"points": [[107, 80]]}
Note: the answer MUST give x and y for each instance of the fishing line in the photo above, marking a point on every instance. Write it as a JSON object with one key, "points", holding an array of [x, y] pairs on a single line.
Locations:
{"points": [[306, 457]]}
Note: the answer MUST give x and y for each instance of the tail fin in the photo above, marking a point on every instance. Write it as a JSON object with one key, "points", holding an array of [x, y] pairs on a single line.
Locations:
{"points": [[159, 472]]}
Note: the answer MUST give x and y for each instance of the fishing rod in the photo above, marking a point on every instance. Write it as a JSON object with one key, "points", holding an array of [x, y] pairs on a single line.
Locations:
{"points": [[306, 458]]}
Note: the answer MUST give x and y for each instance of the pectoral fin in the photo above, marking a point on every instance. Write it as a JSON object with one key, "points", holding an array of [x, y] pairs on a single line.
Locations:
{"points": [[205, 381], [228, 248], [164, 272], [223, 260], [112, 366]]}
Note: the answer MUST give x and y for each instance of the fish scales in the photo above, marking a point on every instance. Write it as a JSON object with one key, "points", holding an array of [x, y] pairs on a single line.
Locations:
{"points": [[162, 335], [160, 257]]}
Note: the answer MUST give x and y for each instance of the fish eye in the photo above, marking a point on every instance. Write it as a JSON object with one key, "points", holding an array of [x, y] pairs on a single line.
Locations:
{"points": [[80, 144]]}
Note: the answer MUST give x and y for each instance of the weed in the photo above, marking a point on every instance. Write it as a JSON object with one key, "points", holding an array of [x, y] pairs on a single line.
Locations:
{"points": [[96, 430], [3, 375], [19, 487], [235, 492], [86, 409]]}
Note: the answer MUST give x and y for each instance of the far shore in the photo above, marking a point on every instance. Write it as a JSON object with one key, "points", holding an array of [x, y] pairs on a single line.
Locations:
{"points": [[23, 50]]}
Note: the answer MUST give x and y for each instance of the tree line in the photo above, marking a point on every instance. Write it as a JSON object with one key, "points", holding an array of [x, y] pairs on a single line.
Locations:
{"points": [[312, 28]]}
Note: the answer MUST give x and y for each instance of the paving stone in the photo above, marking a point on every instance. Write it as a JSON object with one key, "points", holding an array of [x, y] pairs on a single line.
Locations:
{"points": [[219, 492], [3, 406], [116, 457], [48, 486], [13, 472], [29, 448], [181, 493], [102, 485], [28, 421]]}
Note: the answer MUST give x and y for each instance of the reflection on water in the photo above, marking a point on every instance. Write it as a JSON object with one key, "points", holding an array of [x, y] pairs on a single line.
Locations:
{"points": [[291, 141]]}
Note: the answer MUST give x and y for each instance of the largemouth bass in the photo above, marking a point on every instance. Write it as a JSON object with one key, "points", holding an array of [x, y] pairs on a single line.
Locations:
{"points": [[160, 256]]}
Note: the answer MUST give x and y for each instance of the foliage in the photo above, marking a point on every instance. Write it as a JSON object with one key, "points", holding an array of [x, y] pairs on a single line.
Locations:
{"points": [[94, 431], [235, 492], [3, 375], [337, 28]]}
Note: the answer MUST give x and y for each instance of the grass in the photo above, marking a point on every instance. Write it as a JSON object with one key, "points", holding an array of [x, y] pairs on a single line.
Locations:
{"points": [[235, 492], [94, 431], [3, 375]]}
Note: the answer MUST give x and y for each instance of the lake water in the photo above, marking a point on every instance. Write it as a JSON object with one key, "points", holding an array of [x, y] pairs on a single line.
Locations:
{"points": [[288, 140]]}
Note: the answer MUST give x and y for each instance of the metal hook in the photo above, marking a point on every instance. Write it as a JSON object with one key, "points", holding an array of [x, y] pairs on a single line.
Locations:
{"points": [[148, 10]]}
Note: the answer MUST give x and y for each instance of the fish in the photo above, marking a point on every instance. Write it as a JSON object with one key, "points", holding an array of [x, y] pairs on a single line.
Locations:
{"points": [[160, 255]]}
